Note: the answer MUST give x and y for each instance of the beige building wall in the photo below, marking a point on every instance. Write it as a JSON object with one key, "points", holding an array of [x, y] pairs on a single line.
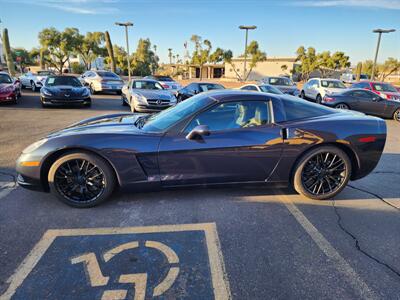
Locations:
{"points": [[271, 67]]}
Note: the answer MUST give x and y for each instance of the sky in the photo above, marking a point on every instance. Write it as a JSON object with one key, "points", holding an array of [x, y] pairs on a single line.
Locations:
{"points": [[282, 25]]}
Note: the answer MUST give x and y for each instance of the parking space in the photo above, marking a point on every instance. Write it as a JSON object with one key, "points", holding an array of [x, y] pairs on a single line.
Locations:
{"points": [[240, 243]]}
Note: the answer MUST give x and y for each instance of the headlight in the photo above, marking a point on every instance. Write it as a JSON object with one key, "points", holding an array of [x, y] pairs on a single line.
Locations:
{"points": [[141, 99], [46, 92], [86, 93], [384, 96], [34, 146]]}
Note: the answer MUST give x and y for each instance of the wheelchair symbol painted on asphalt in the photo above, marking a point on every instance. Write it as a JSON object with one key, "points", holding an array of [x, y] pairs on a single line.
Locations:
{"points": [[139, 280], [155, 262]]}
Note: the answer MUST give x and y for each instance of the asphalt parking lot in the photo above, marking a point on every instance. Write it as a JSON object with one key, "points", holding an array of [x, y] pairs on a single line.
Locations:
{"points": [[243, 243]]}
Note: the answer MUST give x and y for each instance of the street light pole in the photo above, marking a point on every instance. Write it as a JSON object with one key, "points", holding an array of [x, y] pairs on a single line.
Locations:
{"points": [[247, 28], [126, 25], [379, 32]]}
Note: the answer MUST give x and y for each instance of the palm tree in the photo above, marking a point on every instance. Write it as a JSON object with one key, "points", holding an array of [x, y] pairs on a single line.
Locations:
{"points": [[170, 55]]}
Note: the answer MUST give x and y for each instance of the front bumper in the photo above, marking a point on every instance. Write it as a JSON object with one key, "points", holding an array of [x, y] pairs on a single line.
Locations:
{"points": [[150, 108], [29, 177], [56, 101], [30, 183], [8, 96]]}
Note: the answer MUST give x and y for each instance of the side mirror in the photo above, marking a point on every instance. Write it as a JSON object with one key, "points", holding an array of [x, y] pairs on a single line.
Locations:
{"points": [[198, 131], [377, 99]]}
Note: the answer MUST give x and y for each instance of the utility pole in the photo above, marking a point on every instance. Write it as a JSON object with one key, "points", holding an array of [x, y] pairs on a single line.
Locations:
{"points": [[126, 25], [379, 32], [247, 28]]}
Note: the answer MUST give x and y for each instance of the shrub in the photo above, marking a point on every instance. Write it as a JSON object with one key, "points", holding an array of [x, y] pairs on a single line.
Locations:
{"points": [[77, 68]]}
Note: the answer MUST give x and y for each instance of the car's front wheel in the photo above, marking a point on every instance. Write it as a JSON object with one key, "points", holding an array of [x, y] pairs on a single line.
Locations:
{"points": [[33, 86], [396, 115], [322, 173], [81, 179], [319, 99]]}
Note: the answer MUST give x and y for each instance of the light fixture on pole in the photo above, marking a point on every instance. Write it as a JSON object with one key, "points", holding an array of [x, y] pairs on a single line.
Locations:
{"points": [[247, 28], [379, 32], [126, 25]]}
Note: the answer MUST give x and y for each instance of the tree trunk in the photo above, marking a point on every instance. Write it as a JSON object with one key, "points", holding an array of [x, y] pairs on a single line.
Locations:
{"points": [[41, 59], [110, 51], [7, 53]]}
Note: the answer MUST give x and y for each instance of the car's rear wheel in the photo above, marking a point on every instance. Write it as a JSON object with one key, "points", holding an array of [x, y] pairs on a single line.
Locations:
{"points": [[319, 99], [81, 179], [302, 95], [322, 173], [342, 106], [396, 115], [33, 86]]}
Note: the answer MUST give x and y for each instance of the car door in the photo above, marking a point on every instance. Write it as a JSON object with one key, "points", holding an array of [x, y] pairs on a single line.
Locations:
{"points": [[308, 90], [243, 145], [369, 103]]}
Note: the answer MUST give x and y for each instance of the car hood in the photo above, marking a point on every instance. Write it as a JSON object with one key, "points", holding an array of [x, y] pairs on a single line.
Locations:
{"points": [[154, 94], [106, 124], [5, 85]]}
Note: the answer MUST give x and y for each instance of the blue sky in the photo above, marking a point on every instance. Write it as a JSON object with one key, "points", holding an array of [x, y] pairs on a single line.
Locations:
{"points": [[332, 25]]}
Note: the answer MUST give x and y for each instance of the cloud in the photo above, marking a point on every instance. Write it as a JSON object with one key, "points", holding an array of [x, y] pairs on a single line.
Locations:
{"points": [[86, 7], [382, 4]]}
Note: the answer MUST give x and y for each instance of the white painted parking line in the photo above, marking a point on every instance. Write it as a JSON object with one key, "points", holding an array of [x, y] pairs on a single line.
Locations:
{"points": [[338, 261]]}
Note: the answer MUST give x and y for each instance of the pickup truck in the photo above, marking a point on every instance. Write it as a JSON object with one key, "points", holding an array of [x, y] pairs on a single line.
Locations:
{"points": [[34, 80]]}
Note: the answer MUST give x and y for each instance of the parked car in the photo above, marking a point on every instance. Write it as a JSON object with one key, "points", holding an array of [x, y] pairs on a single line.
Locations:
{"points": [[146, 95], [397, 88], [266, 88], [10, 88], [351, 78], [383, 89], [284, 84], [197, 88], [167, 82], [364, 101], [316, 88], [64, 90], [34, 80], [220, 137], [102, 81]]}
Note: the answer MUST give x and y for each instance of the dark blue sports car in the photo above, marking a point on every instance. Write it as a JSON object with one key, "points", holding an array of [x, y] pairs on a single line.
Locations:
{"points": [[220, 137]]}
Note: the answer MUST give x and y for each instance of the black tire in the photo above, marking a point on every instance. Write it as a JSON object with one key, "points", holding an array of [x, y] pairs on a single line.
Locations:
{"points": [[15, 100], [119, 92], [92, 91], [318, 99], [309, 178], [302, 95], [88, 104], [396, 115], [79, 198], [342, 106], [124, 101]]}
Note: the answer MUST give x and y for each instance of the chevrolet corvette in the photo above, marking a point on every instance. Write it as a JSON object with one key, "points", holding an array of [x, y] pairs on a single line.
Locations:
{"points": [[218, 137]]}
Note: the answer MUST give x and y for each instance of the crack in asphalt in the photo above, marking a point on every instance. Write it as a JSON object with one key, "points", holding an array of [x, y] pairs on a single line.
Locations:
{"points": [[375, 196], [357, 243]]}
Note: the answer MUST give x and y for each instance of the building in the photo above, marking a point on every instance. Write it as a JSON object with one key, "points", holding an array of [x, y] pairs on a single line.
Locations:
{"points": [[273, 66], [190, 71]]}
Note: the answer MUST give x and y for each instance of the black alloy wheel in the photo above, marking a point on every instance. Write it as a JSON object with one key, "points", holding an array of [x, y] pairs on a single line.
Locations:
{"points": [[322, 173], [81, 179]]}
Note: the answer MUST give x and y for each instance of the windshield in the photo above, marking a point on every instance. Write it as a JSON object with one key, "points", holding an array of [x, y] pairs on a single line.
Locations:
{"points": [[363, 76], [210, 86], [63, 80], [332, 84], [383, 87], [270, 89], [147, 85], [108, 74], [280, 81], [4, 78], [165, 119]]}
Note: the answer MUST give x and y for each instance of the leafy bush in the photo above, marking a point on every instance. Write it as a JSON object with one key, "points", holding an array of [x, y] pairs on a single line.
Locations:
{"points": [[77, 68]]}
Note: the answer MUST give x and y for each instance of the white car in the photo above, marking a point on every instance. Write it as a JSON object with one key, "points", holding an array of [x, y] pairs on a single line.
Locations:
{"points": [[167, 82], [265, 88], [102, 81], [35, 81], [316, 88], [146, 95]]}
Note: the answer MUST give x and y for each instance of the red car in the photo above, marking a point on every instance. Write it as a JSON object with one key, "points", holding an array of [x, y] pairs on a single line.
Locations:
{"points": [[10, 89], [383, 89]]}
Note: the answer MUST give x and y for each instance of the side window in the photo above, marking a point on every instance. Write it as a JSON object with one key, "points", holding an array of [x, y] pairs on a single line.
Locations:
{"points": [[191, 88], [364, 95], [252, 88], [233, 115], [245, 88]]}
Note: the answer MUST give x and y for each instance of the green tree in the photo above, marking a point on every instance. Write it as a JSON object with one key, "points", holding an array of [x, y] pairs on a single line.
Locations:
{"points": [[201, 54], [367, 67], [144, 61], [60, 44], [256, 56], [7, 53], [23, 54], [309, 61], [217, 56], [390, 66], [227, 58], [358, 71], [89, 47], [110, 51], [119, 55]]}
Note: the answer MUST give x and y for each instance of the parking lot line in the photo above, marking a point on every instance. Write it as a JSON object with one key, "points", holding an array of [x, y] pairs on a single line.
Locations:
{"points": [[219, 280], [333, 255]]}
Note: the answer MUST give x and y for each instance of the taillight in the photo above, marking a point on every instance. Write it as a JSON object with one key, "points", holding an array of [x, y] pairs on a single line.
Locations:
{"points": [[367, 139], [165, 86], [329, 99]]}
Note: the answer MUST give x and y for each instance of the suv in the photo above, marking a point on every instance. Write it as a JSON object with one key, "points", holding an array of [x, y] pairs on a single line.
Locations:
{"points": [[383, 89], [102, 81], [316, 88]]}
